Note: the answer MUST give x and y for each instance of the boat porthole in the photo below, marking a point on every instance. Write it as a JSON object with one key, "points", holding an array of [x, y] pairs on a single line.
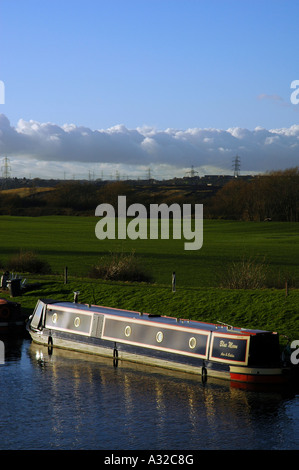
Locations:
{"points": [[159, 337], [54, 317], [128, 330], [192, 342], [77, 322]]}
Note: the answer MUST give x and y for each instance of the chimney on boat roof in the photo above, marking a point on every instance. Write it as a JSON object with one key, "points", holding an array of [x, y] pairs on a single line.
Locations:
{"points": [[76, 296]]}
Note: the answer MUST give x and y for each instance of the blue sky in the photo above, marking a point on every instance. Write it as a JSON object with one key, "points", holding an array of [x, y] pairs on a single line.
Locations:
{"points": [[134, 69]]}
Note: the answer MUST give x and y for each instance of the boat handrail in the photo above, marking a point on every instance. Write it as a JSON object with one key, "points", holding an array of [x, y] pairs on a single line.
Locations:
{"points": [[228, 327]]}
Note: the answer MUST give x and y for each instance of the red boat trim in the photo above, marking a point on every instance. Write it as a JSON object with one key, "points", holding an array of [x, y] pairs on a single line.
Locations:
{"points": [[258, 379]]}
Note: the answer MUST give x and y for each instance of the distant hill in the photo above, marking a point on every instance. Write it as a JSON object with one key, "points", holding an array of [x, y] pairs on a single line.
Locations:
{"points": [[25, 192]]}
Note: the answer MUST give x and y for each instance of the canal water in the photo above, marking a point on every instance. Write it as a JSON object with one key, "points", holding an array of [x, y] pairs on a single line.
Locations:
{"points": [[68, 400]]}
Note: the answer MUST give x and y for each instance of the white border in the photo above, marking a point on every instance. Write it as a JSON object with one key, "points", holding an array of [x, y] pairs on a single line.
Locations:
{"points": [[230, 336], [159, 347], [78, 312]]}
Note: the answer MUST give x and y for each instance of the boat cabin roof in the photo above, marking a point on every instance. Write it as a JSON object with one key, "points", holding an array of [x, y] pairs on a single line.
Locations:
{"points": [[221, 327]]}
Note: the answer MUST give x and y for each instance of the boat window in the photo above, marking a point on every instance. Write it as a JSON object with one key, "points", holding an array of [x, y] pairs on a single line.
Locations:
{"points": [[37, 315]]}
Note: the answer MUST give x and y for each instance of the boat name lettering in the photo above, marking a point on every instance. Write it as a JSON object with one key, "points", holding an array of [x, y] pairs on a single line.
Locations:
{"points": [[227, 354], [230, 344], [229, 349]]}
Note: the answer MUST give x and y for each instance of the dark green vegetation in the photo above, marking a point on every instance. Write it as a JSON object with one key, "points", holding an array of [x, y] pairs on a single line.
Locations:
{"points": [[70, 241], [271, 196]]}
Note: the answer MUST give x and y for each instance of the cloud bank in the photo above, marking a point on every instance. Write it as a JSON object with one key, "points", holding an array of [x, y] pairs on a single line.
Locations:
{"points": [[259, 149]]}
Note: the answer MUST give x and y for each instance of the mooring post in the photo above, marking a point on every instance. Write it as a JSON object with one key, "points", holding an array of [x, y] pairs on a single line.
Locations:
{"points": [[287, 289], [65, 275], [173, 281]]}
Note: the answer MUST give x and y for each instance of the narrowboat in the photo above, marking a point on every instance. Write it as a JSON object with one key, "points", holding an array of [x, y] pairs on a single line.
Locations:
{"points": [[11, 316], [212, 350]]}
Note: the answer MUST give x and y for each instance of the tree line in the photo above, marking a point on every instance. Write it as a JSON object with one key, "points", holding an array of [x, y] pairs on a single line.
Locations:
{"points": [[272, 196]]}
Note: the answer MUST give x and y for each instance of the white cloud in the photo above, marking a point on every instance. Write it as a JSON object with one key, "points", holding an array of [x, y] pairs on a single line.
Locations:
{"points": [[259, 149], [274, 97]]}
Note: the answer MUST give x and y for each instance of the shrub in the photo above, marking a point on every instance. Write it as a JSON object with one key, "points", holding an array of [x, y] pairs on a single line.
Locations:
{"points": [[278, 279], [28, 262], [120, 267], [247, 274]]}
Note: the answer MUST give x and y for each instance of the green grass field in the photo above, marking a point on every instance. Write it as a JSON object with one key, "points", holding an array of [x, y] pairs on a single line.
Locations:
{"points": [[71, 241]]}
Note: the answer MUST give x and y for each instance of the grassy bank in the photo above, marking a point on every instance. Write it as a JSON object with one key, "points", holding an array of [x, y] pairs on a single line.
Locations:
{"points": [[71, 241], [265, 308]]}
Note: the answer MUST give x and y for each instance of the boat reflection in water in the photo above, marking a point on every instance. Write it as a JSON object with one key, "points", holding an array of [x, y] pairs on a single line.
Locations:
{"points": [[135, 406]]}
